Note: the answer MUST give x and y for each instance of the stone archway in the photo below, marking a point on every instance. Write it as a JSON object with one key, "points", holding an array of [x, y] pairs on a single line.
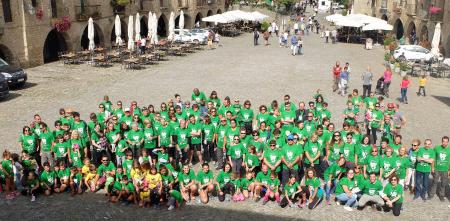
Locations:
{"points": [[398, 27], [412, 33], [198, 20], [384, 17], [6, 54], [98, 37], [54, 44], [144, 26], [123, 32], [209, 14], [187, 21], [219, 11], [162, 26]]}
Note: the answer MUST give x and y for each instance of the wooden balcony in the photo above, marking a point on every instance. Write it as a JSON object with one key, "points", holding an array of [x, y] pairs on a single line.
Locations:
{"points": [[87, 11]]}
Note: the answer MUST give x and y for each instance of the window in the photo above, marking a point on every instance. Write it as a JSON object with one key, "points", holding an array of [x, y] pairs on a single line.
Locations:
{"points": [[54, 9], [34, 3], [7, 10]]}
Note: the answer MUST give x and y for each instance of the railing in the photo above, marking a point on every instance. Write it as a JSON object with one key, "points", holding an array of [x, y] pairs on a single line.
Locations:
{"points": [[183, 4], [439, 16], [411, 9], [87, 11]]}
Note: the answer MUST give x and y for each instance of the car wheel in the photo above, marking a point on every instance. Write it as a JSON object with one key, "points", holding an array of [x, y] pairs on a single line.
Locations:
{"points": [[196, 41], [21, 84]]}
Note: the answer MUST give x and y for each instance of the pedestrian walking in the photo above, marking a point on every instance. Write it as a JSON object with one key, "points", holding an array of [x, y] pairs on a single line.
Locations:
{"points": [[343, 82], [404, 89], [266, 36], [422, 83], [387, 75], [334, 36], [367, 82], [336, 75], [294, 42], [327, 35], [255, 37]]}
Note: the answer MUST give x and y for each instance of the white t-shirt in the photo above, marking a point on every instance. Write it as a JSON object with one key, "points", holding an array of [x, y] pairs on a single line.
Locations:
{"points": [[296, 25], [143, 42]]}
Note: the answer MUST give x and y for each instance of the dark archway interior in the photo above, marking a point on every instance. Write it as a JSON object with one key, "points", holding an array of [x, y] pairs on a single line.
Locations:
{"points": [[399, 29], [6, 54], [424, 33], [412, 33], [123, 32], [54, 44], [209, 14], [144, 27], [384, 17], [85, 39], [198, 19], [177, 22], [162, 30], [219, 11]]}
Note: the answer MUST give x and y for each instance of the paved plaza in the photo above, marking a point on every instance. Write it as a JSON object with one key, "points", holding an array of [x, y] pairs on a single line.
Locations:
{"points": [[239, 70]]}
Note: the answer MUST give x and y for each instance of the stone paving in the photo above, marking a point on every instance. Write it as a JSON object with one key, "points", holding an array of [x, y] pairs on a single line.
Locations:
{"points": [[239, 70]]}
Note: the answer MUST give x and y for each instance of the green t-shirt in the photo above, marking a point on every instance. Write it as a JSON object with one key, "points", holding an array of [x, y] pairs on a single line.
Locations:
{"points": [[312, 183], [334, 170], [377, 117], [388, 164], [313, 149], [76, 159], [7, 166], [290, 153], [64, 174], [48, 177], [204, 178], [349, 152], [345, 182], [230, 135], [273, 184], [426, 154], [262, 118], [223, 178], [198, 98], [164, 135], [28, 142], [413, 158], [442, 158], [47, 140], [392, 192], [402, 163], [251, 160], [272, 156], [149, 140], [263, 178], [182, 137], [77, 178], [167, 179], [372, 189], [60, 149], [121, 147], [362, 150], [221, 134], [246, 115], [291, 189], [118, 186], [335, 152], [236, 151], [208, 131], [186, 178], [135, 136], [373, 164], [103, 169], [195, 128]]}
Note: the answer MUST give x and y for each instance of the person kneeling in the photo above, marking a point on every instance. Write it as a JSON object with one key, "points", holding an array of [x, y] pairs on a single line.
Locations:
{"points": [[372, 190], [393, 195], [123, 191]]}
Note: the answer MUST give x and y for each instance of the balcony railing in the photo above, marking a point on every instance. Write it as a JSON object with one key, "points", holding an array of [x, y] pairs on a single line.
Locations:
{"points": [[183, 4], [201, 3], [87, 11]]}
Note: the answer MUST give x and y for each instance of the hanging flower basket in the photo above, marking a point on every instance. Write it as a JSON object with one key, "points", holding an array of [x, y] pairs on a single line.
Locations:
{"points": [[62, 24], [434, 10], [39, 13]]}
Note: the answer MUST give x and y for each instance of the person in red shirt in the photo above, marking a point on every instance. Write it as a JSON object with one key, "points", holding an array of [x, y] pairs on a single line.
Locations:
{"points": [[404, 89], [336, 75]]}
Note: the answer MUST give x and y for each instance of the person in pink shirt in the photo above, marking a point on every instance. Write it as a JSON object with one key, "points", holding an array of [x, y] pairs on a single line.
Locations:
{"points": [[404, 89], [387, 81]]}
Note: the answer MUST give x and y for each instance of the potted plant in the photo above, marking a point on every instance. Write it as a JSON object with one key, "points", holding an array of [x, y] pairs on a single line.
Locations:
{"points": [[119, 5], [404, 67], [62, 24], [387, 58]]}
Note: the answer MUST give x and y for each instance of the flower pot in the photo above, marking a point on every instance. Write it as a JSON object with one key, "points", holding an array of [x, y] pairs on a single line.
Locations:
{"points": [[397, 69], [392, 66], [403, 73]]}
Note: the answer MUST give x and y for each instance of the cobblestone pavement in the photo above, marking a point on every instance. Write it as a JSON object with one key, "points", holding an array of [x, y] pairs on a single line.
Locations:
{"points": [[237, 69]]}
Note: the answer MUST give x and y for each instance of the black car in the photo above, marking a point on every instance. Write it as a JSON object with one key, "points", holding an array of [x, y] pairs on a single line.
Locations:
{"points": [[4, 90], [16, 77]]}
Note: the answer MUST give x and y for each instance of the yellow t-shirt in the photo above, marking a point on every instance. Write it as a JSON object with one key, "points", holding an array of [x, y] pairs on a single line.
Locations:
{"points": [[90, 176], [422, 81], [137, 174], [85, 170], [153, 180]]}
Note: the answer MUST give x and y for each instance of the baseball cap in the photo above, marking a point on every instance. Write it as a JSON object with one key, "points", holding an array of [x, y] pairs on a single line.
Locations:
{"points": [[290, 137], [127, 109]]}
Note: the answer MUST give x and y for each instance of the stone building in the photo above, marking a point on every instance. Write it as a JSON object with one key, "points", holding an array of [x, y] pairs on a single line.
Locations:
{"points": [[411, 18], [28, 37]]}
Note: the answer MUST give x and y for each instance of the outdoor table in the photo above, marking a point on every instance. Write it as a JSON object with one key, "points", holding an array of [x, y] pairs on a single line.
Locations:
{"points": [[69, 58], [147, 58], [100, 61], [131, 63]]}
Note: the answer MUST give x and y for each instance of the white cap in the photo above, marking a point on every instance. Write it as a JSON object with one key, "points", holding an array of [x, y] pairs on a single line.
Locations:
{"points": [[127, 109]]}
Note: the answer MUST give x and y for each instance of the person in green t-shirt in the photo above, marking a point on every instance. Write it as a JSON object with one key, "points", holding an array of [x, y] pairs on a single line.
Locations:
{"points": [[313, 151], [292, 155], [331, 177], [220, 138], [388, 165], [344, 190], [375, 120], [251, 160], [272, 191], [76, 181], [182, 145], [313, 188], [198, 96], [272, 157], [372, 163], [372, 191], [206, 183], [236, 153], [208, 131], [225, 185], [48, 179], [440, 177], [135, 139], [31, 186], [393, 195], [262, 181], [292, 193], [28, 141], [195, 133], [47, 140], [187, 181], [124, 190], [425, 165]]}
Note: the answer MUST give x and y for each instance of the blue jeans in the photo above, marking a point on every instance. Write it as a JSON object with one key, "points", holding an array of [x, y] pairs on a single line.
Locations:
{"points": [[403, 93], [422, 184], [349, 201], [330, 189]]}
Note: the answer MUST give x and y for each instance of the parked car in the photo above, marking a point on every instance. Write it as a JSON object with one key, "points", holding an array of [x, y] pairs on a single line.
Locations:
{"points": [[413, 53], [4, 89], [201, 32], [16, 77], [189, 37]]}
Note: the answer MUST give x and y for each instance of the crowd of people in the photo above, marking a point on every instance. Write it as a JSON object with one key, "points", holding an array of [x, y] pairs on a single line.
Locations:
{"points": [[293, 155]]}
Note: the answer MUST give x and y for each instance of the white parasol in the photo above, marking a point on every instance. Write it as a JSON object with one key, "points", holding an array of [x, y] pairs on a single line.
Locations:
{"points": [[91, 34], [171, 27], [118, 30], [155, 29], [436, 40], [130, 33], [181, 22], [138, 27]]}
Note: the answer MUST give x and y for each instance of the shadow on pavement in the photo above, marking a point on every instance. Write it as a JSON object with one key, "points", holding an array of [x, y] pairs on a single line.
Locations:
{"points": [[11, 96], [26, 86], [445, 100]]}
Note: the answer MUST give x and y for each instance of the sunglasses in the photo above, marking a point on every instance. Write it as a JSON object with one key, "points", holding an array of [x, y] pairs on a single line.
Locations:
{"points": [[101, 107], [394, 179], [414, 145], [337, 135], [310, 116], [272, 145], [374, 151], [104, 160]]}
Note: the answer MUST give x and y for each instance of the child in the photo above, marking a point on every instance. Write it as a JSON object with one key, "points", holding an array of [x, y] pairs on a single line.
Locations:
{"points": [[167, 181], [123, 190], [175, 199], [31, 186], [247, 185], [155, 184], [7, 169], [48, 179], [144, 156], [89, 178], [144, 194], [422, 83], [128, 163], [86, 166], [237, 196], [28, 163], [76, 181], [64, 177], [272, 190], [61, 150]]}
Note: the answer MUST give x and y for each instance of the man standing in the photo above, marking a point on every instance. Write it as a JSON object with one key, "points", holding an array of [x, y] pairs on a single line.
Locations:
{"points": [[294, 42], [334, 36], [336, 75], [440, 176], [367, 82], [255, 37], [327, 35], [295, 28]]}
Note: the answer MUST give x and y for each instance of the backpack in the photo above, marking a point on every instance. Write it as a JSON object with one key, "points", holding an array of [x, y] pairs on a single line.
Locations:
{"points": [[103, 143]]}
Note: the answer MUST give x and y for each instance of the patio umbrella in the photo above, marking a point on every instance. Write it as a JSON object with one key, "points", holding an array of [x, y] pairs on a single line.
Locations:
{"points": [[150, 25], [219, 18], [171, 27], [436, 39], [91, 34], [155, 29], [378, 26], [138, 27], [130, 33], [181, 22], [333, 17], [118, 30], [259, 16]]}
